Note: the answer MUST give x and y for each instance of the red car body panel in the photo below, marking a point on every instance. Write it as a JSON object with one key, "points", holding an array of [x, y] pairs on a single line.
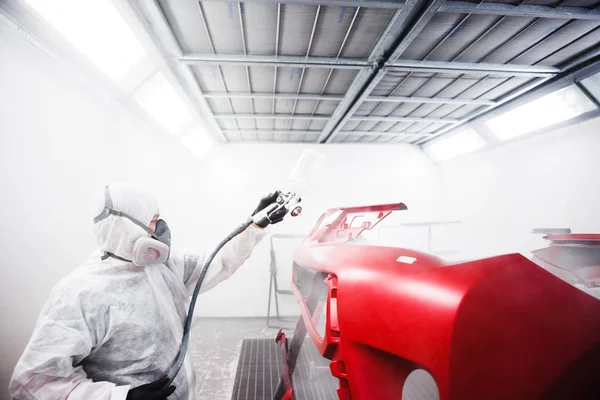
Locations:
{"points": [[496, 328]]}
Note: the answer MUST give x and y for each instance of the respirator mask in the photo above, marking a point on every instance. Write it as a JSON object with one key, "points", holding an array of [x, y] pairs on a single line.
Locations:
{"points": [[147, 250]]}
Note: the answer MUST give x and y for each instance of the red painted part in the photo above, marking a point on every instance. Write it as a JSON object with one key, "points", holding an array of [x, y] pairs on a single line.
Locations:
{"points": [[339, 225], [497, 328]]}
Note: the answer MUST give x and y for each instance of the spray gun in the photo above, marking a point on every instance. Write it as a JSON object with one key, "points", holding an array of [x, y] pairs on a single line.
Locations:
{"points": [[287, 201], [308, 162]]}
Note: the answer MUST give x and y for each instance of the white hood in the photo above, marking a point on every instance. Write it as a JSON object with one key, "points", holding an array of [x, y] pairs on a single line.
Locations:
{"points": [[117, 235]]}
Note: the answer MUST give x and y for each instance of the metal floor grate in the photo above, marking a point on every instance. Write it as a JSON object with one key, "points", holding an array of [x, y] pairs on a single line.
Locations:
{"points": [[260, 366], [312, 377], [258, 370]]}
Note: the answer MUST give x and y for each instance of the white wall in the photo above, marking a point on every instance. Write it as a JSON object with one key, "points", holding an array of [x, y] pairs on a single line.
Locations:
{"points": [[61, 142], [550, 180]]}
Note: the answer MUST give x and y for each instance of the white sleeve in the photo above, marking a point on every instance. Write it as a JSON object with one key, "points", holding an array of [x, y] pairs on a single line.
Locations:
{"points": [[227, 261], [47, 369]]}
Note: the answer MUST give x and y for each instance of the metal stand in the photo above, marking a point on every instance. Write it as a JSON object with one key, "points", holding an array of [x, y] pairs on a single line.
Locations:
{"points": [[273, 284]]}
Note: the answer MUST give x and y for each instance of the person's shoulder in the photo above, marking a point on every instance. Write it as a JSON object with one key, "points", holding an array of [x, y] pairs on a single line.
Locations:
{"points": [[79, 293], [78, 280]]}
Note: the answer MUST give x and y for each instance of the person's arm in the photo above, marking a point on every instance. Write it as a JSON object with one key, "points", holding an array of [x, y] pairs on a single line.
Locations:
{"points": [[226, 262], [188, 266], [48, 368]]}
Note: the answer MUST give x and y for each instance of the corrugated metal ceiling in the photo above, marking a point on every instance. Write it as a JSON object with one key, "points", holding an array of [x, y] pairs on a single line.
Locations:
{"points": [[307, 71]]}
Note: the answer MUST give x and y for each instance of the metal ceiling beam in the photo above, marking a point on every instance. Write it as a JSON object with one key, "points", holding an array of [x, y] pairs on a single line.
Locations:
{"points": [[266, 95], [355, 63], [428, 100], [388, 4], [270, 132], [378, 133], [521, 10], [406, 25], [470, 68], [273, 61], [332, 97], [271, 116], [315, 132], [402, 119]]}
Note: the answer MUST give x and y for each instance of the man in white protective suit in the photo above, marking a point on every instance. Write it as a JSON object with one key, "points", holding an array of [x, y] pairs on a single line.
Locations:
{"points": [[112, 328]]}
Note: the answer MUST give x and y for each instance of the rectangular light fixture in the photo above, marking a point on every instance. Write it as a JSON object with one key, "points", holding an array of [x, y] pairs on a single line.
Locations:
{"points": [[198, 142], [463, 142], [97, 30], [546, 111], [158, 97]]}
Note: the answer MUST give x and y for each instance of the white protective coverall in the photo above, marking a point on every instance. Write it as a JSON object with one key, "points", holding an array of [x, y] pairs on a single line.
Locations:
{"points": [[110, 326]]}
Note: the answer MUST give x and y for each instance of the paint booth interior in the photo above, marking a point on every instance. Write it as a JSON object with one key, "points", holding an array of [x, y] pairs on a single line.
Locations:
{"points": [[436, 161]]}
